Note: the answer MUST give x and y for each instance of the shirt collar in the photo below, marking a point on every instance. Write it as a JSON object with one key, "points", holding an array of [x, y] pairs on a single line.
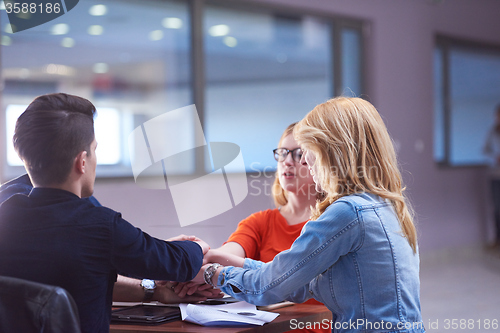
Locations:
{"points": [[52, 193]]}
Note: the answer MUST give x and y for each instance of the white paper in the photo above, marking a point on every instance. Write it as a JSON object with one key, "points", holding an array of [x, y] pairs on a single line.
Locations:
{"points": [[232, 314]]}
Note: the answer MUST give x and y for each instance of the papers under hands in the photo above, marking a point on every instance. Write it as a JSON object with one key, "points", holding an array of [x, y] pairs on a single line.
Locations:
{"points": [[233, 314]]}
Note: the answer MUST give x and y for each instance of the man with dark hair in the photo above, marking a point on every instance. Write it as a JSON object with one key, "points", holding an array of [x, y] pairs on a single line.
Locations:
{"points": [[56, 237], [125, 289], [52, 131]]}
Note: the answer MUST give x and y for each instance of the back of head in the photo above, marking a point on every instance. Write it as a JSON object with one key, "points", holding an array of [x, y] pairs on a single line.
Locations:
{"points": [[51, 132], [354, 153]]}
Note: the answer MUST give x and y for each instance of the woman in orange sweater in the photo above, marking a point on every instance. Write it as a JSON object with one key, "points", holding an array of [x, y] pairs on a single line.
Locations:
{"points": [[263, 235]]}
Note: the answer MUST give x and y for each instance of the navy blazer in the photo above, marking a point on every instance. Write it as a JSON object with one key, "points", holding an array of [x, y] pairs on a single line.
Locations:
{"points": [[54, 237]]}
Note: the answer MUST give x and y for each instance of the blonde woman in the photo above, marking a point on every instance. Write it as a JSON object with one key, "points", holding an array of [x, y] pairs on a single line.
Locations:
{"points": [[358, 255]]}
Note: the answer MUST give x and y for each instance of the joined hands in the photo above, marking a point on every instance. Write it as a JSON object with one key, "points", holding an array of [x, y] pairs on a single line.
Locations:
{"points": [[196, 288], [204, 246]]}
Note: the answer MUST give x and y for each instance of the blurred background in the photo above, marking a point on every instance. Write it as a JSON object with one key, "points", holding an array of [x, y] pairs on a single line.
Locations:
{"points": [[431, 67]]}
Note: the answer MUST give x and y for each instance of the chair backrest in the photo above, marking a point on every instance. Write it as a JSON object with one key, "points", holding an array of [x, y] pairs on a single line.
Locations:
{"points": [[27, 307]]}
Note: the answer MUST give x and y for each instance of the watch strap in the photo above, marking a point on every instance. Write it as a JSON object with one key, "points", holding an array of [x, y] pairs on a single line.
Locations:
{"points": [[148, 292]]}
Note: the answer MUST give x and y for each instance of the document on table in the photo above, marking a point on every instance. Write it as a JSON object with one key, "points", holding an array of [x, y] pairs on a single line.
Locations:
{"points": [[232, 314]]}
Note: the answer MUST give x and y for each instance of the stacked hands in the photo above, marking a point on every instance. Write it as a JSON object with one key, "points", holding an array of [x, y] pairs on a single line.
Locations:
{"points": [[203, 285], [195, 290]]}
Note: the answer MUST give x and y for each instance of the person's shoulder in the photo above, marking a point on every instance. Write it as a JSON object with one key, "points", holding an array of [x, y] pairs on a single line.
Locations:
{"points": [[100, 209], [264, 214], [347, 205], [21, 185], [97, 213], [103, 210], [100, 217], [23, 180], [356, 202], [260, 218], [14, 200], [343, 203]]}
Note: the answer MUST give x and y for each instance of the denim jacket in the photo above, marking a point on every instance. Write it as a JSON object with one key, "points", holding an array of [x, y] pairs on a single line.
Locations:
{"points": [[353, 258]]}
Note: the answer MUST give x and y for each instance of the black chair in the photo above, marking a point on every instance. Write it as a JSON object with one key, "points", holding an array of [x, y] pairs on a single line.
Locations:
{"points": [[27, 307]]}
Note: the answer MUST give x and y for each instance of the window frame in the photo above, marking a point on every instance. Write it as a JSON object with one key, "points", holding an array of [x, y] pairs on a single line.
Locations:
{"points": [[196, 10], [445, 43], [198, 60]]}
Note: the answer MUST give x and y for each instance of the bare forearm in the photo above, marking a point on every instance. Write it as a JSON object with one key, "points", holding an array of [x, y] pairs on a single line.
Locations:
{"points": [[128, 290], [224, 258], [233, 248]]}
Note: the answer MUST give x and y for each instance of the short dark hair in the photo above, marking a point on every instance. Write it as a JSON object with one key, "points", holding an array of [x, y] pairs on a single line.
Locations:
{"points": [[51, 132]]}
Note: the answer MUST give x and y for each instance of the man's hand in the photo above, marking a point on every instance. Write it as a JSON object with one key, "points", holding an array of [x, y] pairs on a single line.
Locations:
{"points": [[129, 290], [183, 237], [187, 289], [165, 293], [191, 287], [204, 246]]}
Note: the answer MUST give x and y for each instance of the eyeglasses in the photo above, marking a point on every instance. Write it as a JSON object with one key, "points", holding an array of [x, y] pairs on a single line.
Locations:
{"points": [[280, 154]]}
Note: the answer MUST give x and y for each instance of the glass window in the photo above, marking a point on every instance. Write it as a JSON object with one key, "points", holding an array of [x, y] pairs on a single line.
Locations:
{"points": [[351, 62], [265, 71], [107, 131], [467, 80], [12, 113], [130, 58], [439, 128]]}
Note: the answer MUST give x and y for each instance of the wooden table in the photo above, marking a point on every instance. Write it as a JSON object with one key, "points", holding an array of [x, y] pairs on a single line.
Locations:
{"points": [[304, 313]]}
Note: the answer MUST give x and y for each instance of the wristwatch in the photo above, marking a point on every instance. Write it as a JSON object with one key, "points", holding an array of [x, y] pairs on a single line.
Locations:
{"points": [[149, 289]]}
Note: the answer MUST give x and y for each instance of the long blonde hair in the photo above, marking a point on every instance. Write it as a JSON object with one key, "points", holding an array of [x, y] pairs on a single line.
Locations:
{"points": [[280, 195], [354, 153]]}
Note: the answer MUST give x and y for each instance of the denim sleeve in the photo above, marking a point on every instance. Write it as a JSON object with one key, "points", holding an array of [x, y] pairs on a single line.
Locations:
{"points": [[299, 296], [335, 233], [252, 264]]}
